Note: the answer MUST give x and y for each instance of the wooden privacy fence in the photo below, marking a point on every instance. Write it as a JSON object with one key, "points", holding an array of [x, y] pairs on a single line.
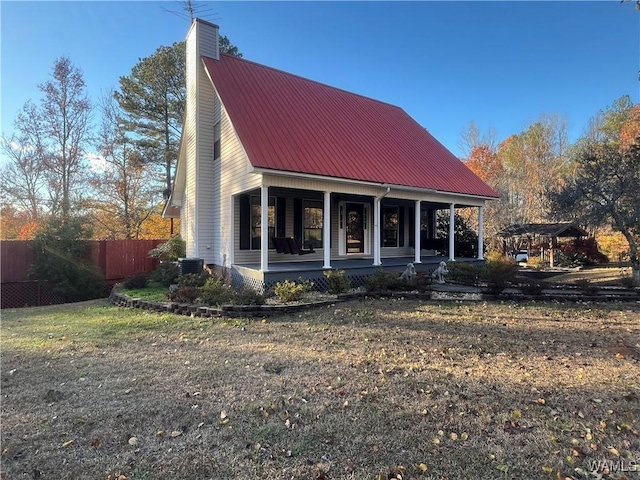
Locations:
{"points": [[118, 259]]}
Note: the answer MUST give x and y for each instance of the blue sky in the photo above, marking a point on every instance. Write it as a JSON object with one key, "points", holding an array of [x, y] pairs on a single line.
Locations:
{"points": [[500, 64]]}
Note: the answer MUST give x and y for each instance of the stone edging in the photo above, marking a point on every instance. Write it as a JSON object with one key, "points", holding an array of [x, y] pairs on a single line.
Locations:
{"points": [[229, 311], [234, 311]]}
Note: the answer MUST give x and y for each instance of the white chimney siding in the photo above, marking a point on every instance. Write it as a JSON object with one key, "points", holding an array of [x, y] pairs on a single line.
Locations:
{"points": [[202, 111]]}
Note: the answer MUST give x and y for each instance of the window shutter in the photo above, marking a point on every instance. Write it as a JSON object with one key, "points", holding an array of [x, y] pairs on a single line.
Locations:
{"points": [[297, 219], [401, 211], [245, 222], [281, 216]]}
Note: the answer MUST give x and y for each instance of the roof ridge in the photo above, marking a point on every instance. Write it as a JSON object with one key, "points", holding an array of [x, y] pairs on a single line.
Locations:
{"points": [[306, 79]]}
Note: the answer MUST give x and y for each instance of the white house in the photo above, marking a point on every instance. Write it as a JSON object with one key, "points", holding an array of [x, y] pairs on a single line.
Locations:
{"points": [[356, 179]]}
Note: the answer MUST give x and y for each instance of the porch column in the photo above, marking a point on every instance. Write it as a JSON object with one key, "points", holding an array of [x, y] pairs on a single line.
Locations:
{"points": [[480, 233], [376, 232], [416, 241], [264, 228], [326, 230], [452, 232]]}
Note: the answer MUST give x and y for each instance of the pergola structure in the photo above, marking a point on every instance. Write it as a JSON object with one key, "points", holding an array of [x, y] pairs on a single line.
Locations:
{"points": [[525, 235]]}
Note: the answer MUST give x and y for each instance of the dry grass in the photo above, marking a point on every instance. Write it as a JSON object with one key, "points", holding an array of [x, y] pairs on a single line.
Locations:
{"points": [[598, 275], [356, 391]]}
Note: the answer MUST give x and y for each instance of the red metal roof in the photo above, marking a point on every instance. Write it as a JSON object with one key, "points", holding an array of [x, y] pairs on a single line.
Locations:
{"points": [[290, 123]]}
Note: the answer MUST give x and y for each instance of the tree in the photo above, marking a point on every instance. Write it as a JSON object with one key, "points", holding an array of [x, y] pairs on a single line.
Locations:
{"points": [[604, 189], [533, 161], [127, 191], [23, 177], [45, 169], [61, 258], [227, 47], [153, 98], [16, 224], [465, 239], [64, 117]]}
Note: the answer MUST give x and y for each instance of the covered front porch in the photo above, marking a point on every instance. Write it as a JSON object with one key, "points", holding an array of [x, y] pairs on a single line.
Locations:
{"points": [[341, 226]]}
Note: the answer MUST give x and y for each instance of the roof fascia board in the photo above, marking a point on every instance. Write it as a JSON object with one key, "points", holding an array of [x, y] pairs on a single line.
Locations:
{"points": [[267, 171]]}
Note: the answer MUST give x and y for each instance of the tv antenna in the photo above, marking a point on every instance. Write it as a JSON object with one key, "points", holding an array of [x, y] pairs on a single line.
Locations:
{"points": [[189, 10]]}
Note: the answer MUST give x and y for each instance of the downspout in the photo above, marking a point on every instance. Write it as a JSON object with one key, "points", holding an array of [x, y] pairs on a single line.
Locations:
{"points": [[376, 227]]}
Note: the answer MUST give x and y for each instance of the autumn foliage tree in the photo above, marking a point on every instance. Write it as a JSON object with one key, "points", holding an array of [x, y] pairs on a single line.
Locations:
{"points": [[126, 190], [602, 188]]}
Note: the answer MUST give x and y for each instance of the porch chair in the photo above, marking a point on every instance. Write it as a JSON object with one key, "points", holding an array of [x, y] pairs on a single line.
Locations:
{"points": [[281, 245], [297, 249]]}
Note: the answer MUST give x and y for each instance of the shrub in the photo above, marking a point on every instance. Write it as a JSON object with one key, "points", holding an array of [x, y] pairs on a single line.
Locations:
{"points": [[184, 294], [139, 280], [422, 282], [582, 251], [498, 275], [247, 296], [215, 292], [170, 251], [382, 281], [192, 280], [61, 257], [165, 273], [290, 291], [536, 263], [338, 283], [464, 273]]}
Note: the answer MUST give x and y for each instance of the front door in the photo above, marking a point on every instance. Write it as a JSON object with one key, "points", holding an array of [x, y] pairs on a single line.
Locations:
{"points": [[354, 228]]}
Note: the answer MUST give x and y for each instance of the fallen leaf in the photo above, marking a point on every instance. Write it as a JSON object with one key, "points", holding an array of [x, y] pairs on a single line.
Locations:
{"points": [[464, 436], [133, 441], [67, 443], [453, 436], [422, 467], [516, 413], [503, 467], [541, 401], [176, 433], [614, 451], [547, 469]]}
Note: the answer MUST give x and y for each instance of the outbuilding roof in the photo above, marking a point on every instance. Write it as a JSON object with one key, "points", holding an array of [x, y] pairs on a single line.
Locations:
{"points": [[289, 123]]}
